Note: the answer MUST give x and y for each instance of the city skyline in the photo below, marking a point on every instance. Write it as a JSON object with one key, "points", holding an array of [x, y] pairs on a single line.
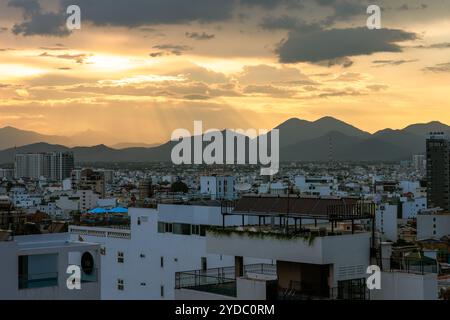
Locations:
{"points": [[228, 63]]}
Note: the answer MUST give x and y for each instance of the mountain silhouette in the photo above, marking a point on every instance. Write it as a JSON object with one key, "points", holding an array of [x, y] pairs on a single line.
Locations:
{"points": [[300, 140]]}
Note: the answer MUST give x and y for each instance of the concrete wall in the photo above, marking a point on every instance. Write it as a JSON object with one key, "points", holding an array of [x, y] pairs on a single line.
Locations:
{"points": [[406, 286], [8, 270], [251, 289], [432, 226]]}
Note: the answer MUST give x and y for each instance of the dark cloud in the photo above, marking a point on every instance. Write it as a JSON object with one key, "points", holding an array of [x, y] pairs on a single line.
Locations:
{"points": [[199, 36], [196, 97], [134, 13], [383, 63], [377, 87], [268, 90], [286, 22], [349, 77], [78, 58], [169, 49], [38, 22], [56, 47], [439, 68], [441, 45], [331, 44], [405, 7]]}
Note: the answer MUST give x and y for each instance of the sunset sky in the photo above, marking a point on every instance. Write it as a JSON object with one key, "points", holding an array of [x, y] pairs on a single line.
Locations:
{"points": [[138, 69]]}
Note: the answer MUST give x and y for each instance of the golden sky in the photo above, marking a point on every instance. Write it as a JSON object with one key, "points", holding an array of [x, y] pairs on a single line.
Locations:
{"points": [[137, 70]]}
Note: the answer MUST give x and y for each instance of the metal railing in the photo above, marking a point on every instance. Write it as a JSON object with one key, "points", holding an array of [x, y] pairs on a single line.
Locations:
{"points": [[409, 265], [299, 290], [218, 280]]}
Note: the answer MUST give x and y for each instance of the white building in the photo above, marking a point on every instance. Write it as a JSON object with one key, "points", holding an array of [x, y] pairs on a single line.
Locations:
{"points": [[88, 199], [141, 262], [218, 187], [412, 206], [36, 268], [419, 162], [433, 224], [386, 221], [322, 186]]}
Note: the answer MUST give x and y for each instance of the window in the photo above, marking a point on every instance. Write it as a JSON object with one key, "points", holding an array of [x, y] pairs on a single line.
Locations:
{"points": [[195, 229], [162, 262], [139, 221], [120, 284], [120, 257], [162, 291], [182, 228], [160, 227], [168, 227], [203, 231]]}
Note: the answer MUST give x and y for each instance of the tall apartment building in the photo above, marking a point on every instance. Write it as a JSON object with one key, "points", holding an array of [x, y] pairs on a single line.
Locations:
{"points": [[91, 180], [419, 162], [55, 166], [438, 171]]}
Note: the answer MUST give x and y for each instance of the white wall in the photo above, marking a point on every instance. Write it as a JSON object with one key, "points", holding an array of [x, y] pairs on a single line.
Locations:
{"points": [[406, 286], [386, 221], [432, 226]]}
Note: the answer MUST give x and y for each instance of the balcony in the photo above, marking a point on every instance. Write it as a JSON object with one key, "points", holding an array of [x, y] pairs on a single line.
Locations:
{"points": [[38, 280], [221, 281], [304, 246]]}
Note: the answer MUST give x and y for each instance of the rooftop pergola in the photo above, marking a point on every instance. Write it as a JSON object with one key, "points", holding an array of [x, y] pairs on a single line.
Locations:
{"points": [[297, 208]]}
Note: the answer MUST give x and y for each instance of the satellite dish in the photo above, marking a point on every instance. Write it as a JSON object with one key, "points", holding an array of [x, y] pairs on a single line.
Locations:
{"points": [[242, 187], [87, 263]]}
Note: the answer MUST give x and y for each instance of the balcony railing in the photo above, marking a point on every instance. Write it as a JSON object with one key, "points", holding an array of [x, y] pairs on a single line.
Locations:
{"points": [[218, 280], [409, 265], [38, 280], [349, 290]]}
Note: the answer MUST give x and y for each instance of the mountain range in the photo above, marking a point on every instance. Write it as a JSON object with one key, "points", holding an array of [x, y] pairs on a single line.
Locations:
{"points": [[300, 140], [12, 137]]}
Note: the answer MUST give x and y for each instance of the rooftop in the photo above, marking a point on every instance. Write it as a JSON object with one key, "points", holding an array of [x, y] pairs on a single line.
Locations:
{"points": [[294, 206]]}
